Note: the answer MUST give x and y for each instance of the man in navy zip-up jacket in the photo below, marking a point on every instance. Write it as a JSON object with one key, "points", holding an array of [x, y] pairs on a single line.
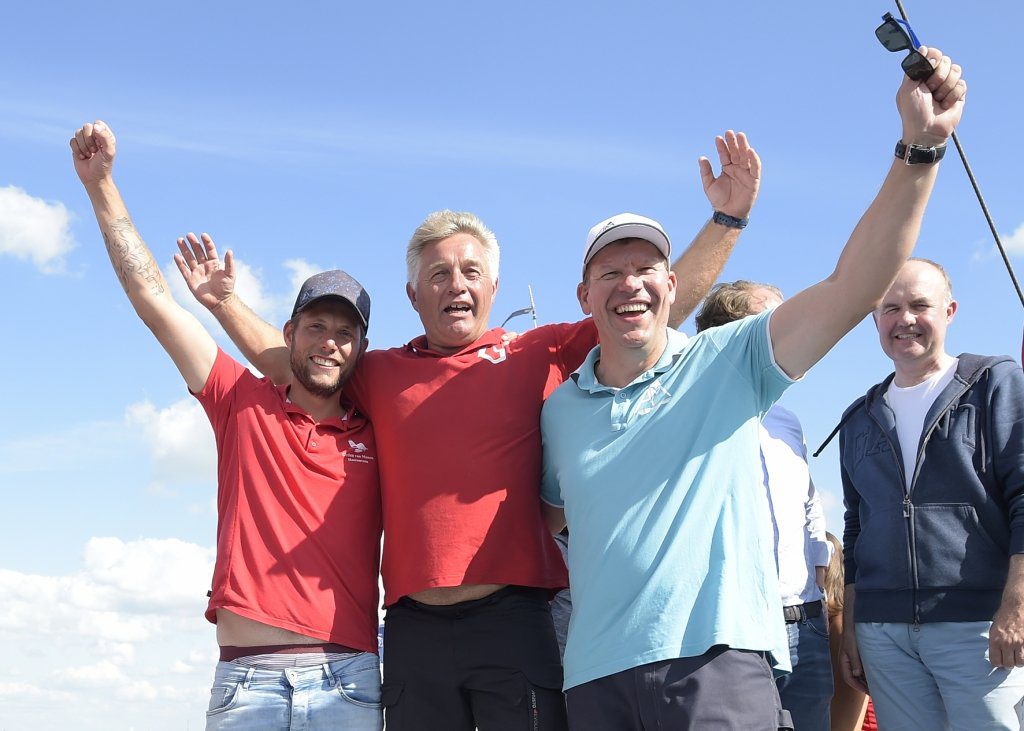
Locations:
{"points": [[933, 477]]}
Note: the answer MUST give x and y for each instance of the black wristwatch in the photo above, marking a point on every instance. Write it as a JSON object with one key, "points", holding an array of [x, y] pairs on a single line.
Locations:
{"points": [[724, 219], [919, 154]]}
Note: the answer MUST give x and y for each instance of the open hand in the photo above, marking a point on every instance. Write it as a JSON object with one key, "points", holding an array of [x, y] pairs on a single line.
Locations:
{"points": [[210, 282], [734, 191]]}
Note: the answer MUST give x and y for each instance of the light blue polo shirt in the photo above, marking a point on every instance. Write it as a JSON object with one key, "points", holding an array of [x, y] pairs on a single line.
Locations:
{"points": [[670, 545]]}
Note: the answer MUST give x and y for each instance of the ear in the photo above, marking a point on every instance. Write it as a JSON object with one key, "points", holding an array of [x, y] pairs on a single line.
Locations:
{"points": [[951, 309], [289, 332], [363, 346], [495, 293], [411, 294], [582, 292], [672, 286]]}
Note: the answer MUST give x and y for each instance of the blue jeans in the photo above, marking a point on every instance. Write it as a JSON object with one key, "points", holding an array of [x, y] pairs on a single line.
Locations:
{"points": [[807, 691], [937, 676], [338, 695]]}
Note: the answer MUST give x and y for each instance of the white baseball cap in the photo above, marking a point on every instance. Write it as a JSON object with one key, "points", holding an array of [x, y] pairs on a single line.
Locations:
{"points": [[625, 226]]}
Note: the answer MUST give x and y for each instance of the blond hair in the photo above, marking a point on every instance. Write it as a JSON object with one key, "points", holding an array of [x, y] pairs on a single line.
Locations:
{"points": [[440, 225]]}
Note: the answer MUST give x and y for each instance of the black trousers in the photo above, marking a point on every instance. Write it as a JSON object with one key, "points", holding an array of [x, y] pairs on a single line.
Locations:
{"points": [[490, 664], [720, 690]]}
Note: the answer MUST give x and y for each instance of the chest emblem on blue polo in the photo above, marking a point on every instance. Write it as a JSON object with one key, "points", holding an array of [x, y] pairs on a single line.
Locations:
{"points": [[653, 396]]}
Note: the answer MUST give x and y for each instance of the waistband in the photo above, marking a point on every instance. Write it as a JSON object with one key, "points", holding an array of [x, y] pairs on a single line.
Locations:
{"points": [[798, 612], [229, 653], [461, 608]]}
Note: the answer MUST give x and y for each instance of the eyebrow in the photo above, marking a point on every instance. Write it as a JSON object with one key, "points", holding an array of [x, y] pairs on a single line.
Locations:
{"points": [[444, 265]]}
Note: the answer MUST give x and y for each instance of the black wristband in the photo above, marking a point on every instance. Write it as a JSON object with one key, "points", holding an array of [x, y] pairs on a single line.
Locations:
{"points": [[919, 154], [724, 219]]}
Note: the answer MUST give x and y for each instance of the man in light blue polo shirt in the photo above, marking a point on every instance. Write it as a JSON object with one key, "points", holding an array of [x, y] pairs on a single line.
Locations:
{"points": [[652, 454]]}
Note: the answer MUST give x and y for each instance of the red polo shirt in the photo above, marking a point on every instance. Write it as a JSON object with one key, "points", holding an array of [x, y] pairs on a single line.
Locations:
{"points": [[298, 506], [460, 457]]}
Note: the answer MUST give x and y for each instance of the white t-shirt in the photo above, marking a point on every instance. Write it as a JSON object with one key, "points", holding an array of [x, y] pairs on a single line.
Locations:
{"points": [[910, 405]]}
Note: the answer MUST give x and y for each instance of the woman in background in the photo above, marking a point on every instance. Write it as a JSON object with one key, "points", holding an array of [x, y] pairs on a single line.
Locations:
{"points": [[849, 705]]}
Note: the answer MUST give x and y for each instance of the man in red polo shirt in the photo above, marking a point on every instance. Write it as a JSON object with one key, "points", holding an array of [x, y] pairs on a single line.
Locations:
{"points": [[468, 562], [294, 591]]}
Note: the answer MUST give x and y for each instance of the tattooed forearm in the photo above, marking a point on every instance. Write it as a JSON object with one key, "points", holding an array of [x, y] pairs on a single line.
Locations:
{"points": [[131, 258]]}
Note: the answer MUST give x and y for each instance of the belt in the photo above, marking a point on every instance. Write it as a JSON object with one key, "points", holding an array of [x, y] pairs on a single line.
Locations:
{"points": [[800, 611]]}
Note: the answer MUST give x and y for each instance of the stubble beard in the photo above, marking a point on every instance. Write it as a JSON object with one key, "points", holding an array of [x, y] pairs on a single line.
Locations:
{"points": [[320, 389]]}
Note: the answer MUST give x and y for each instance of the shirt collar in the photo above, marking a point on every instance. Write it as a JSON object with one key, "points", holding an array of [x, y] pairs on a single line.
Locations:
{"points": [[418, 345], [349, 418], [586, 378]]}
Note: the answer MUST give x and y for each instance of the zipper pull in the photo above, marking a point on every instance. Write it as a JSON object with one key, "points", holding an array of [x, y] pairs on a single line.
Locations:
{"points": [[906, 506]]}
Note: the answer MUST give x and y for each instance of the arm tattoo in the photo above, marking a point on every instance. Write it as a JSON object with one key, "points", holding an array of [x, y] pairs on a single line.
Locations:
{"points": [[130, 257]]}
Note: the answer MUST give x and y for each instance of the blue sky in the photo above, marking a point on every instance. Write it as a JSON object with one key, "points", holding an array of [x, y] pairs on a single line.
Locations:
{"points": [[319, 135]]}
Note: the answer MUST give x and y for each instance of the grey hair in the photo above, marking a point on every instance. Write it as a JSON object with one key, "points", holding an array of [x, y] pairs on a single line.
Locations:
{"points": [[945, 276], [442, 224]]}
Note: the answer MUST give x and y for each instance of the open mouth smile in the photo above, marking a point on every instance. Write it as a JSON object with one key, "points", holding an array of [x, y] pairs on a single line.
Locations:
{"points": [[632, 308]]}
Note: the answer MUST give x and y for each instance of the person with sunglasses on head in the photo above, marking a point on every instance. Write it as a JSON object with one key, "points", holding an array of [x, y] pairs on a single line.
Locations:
{"points": [[468, 562], [294, 592], [651, 455]]}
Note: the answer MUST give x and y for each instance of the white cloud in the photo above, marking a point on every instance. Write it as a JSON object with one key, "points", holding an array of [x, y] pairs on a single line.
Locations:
{"points": [[179, 437], [34, 229], [127, 629], [301, 271], [1014, 243]]}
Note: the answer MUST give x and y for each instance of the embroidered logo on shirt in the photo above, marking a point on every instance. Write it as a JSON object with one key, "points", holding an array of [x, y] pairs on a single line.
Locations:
{"points": [[653, 396], [493, 353], [356, 452]]}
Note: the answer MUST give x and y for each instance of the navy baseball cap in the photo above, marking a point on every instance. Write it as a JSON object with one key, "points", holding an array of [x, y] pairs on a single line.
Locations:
{"points": [[335, 284]]}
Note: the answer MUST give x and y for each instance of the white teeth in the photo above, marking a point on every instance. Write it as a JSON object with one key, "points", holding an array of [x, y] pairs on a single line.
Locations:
{"points": [[324, 361], [457, 308], [632, 307], [906, 336]]}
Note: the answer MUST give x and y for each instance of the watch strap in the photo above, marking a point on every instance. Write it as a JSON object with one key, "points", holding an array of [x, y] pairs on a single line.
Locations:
{"points": [[919, 154], [724, 219]]}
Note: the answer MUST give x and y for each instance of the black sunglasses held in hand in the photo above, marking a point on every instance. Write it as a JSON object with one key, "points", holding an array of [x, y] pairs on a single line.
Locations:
{"points": [[897, 35]]}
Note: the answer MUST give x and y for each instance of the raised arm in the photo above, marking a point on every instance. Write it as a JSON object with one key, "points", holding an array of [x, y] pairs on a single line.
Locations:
{"points": [[213, 285], [191, 348], [806, 326], [733, 193]]}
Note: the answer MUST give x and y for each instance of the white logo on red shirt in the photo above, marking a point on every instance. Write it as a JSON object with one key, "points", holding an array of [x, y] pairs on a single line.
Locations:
{"points": [[357, 453], [493, 353]]}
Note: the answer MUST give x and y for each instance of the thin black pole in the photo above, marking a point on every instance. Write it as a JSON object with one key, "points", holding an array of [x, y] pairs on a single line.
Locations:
{"points": [[977, 192]]}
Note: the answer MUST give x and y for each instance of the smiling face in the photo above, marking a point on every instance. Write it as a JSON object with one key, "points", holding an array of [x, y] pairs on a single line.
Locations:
{"points": [[325, 341], [913, 318], [453, 292], [628, 288]]}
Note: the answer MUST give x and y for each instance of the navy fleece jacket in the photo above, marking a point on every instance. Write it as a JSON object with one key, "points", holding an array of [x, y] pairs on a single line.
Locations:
{"points": [[938, 552]]}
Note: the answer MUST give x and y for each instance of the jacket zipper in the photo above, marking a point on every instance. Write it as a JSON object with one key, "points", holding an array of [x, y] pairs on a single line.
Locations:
{"points": [[908, 512], [908, 490]]}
